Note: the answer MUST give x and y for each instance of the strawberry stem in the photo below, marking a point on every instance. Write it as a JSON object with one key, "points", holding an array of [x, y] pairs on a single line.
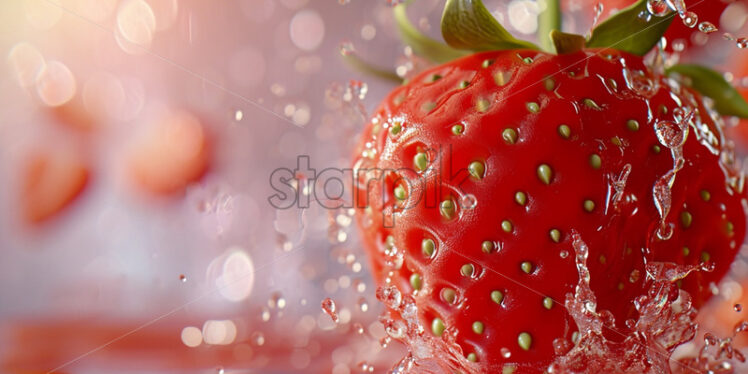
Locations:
{"points": [[566, 43], [549, 20], [360, 65]]}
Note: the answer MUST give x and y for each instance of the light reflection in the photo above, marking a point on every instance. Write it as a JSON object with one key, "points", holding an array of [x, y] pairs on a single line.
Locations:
{"points": [[136, 22], [307, 30], [218, 332], [25, 63], [192, 336], [55, 84], [236, 281]]}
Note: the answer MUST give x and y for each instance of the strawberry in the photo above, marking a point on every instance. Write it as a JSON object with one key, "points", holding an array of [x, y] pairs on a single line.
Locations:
{"points": [[173, 153], [52, 180], [472, 177]]}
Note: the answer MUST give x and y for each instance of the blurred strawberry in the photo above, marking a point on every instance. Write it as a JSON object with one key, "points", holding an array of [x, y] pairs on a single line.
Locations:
{"points": [[172, 153], [52, 179]]}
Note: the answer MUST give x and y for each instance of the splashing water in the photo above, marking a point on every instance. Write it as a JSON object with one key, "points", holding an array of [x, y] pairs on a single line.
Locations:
{"points": [[598, 9], [716, 356], [666, 320], [672, 135], [426, 353]]}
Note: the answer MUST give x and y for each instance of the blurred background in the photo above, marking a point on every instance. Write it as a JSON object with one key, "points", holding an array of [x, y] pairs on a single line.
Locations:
{"points": [[137, 141]]}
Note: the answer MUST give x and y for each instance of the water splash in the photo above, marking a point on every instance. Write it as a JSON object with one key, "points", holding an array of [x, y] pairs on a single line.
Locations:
{"points": [[716, 356], [598, 11], [427, 354], [666, 320], [671, 135]]}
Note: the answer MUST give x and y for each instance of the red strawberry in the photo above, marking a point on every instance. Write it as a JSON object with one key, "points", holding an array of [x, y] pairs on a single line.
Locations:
{"points": [[472, 177]]}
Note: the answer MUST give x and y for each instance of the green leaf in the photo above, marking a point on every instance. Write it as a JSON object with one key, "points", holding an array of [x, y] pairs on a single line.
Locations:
{"points": [[467, 24], [625, 31], [360, 65], [548, 21], [566, 43], [422, 45], [710, 83]]}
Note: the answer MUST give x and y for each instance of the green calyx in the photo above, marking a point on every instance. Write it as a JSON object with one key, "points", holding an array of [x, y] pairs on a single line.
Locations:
{"points": [[422, 45], [626, 31], [710, 83], [467, 26]]}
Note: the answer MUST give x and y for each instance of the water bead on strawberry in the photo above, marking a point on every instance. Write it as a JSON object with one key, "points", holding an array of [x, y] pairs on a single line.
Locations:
{"points": [[588, 147]]}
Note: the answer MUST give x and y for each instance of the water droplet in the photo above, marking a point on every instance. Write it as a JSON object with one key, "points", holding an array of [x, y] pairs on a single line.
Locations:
{"points": [[728, 36], [658, 8], [678, 6], [395, 329], [384, 342], [357, 89], [505, 352], [238, 115], [328, 306], [707, 27], [468, 201], [738, 308], [358, 328], [740, 327], [690, 19], [634, 276], [359, 285], [670, 134], [365, 367], [363, 305], [265, 314], [182, 278], [645, 15], [258, 338], [679, 45], [564, 254], [346, 48], [390, 296], [598, 10], [220, 370], [742, 43]]}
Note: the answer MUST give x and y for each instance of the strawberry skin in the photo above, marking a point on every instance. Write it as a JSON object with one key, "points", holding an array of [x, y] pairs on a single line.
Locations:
{"points": [[471, 178]]}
